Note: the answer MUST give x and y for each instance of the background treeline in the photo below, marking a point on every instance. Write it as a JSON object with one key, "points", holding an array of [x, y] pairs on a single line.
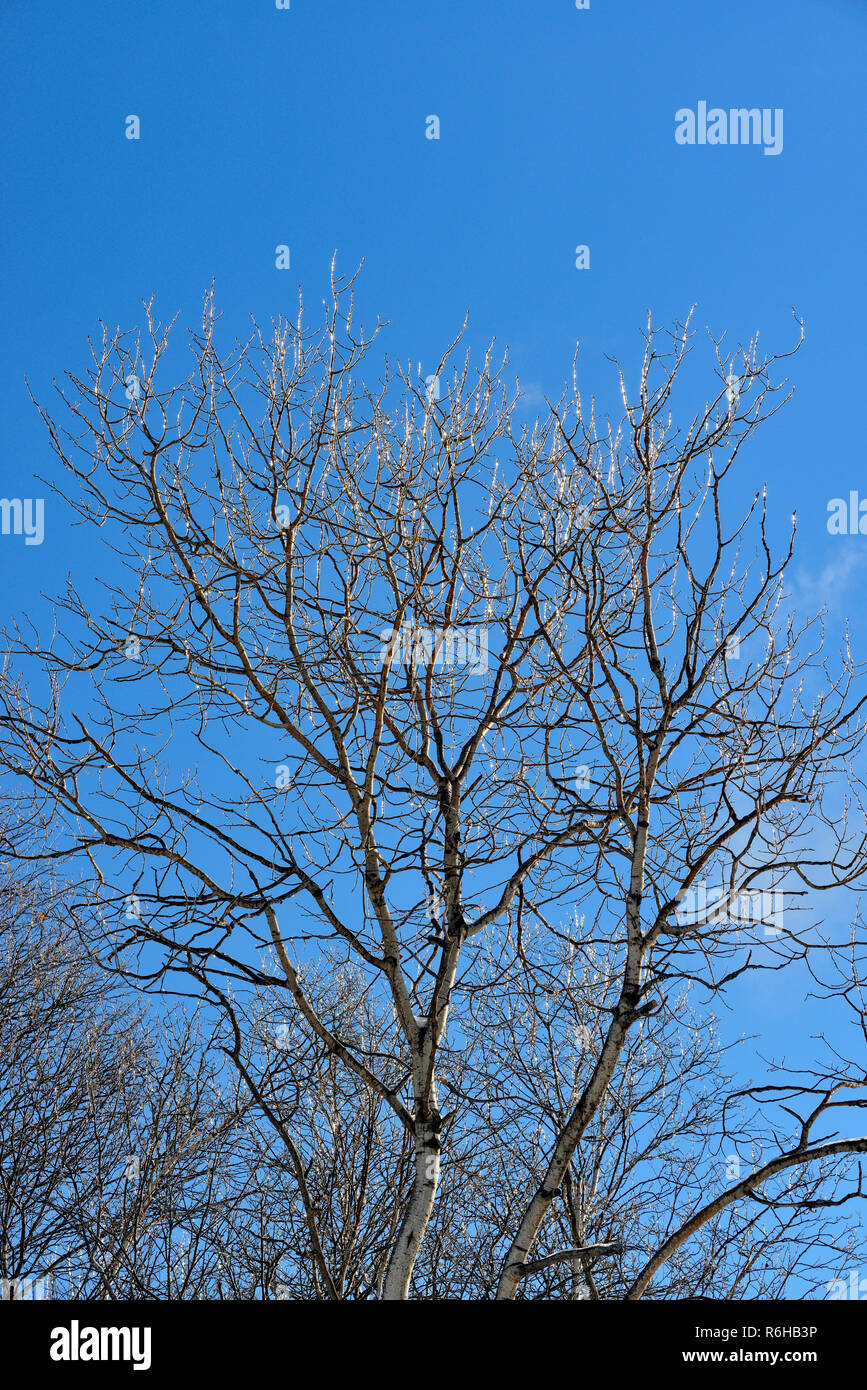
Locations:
{"points": [[134, 1164]]}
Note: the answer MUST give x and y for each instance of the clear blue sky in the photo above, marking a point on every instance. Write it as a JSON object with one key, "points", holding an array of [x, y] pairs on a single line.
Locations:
{"points": [[306, 127]]}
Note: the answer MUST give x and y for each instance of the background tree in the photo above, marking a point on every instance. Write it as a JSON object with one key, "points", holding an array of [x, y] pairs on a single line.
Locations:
{"points": [[111, 1125]]}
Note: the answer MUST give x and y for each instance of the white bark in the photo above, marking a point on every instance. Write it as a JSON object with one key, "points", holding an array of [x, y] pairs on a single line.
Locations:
{"points": [[417, 1215]]}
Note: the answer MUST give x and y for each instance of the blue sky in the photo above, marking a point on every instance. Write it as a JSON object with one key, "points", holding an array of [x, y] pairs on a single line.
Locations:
{"points": [[306, 127]]}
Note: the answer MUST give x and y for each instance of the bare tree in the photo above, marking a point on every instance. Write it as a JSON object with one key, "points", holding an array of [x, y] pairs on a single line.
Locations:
{"points": [[671, 1128], [111, 1126], [387, 674], [327, 1141]]}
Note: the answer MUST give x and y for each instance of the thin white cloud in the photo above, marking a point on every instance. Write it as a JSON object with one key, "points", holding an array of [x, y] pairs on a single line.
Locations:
{"points": [[825, 588]]}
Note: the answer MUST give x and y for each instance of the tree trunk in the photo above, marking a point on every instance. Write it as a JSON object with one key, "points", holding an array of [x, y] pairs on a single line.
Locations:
{"points": [[418, 1211]]}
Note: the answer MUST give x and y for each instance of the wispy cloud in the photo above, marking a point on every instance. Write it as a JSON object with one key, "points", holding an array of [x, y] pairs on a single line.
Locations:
{"points": [[532, 394], [826, 587]]}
